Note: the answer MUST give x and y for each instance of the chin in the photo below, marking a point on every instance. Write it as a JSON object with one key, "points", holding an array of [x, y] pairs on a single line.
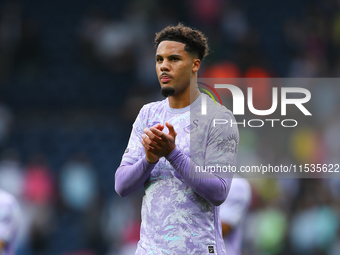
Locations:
{"points": [[167, 91]]}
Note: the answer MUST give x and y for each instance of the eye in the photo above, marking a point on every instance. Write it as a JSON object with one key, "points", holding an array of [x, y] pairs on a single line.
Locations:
{"points": [[174, 59], [158, 60]]}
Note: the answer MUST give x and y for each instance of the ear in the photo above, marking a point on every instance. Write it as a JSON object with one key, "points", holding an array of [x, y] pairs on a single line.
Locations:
{"points": [[196, 64]]}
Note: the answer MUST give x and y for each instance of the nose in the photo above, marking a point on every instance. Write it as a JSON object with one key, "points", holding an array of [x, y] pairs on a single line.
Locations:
{"points": [[164, 65]]}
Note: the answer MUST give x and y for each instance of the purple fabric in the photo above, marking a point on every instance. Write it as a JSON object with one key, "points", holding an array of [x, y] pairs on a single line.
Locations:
{"points": [[130, 177], [212, 188], [179, 209]]}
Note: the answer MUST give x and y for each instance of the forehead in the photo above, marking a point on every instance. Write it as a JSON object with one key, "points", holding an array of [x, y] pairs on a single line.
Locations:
{"points": [[170, 47]]}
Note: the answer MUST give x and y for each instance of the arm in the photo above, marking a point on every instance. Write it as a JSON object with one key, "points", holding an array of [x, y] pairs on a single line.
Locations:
{"points": [[136, 165], [209, 186], [130, 177]]}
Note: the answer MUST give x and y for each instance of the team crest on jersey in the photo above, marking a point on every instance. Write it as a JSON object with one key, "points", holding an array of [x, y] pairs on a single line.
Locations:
{"points": [[228, 145], [192, 128]]}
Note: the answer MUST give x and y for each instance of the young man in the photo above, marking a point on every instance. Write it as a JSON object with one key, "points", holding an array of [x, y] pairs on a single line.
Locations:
{"points": [[170, 140], [233, 212], [9, 223]]}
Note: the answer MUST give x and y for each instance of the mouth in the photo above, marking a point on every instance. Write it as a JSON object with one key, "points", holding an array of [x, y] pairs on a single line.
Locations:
{"points": [[165, 78]]}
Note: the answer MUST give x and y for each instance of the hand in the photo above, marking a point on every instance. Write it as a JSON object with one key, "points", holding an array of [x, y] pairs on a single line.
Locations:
{"points": [[150, 157], [157, 144]]}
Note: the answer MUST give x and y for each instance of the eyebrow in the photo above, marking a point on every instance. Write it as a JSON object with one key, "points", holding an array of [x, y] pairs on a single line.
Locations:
{"points": [[173, 55]]}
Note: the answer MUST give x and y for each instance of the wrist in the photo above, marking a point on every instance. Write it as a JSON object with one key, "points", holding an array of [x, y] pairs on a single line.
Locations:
{"points": [[151, 161], [170, 151], [173, 154]]}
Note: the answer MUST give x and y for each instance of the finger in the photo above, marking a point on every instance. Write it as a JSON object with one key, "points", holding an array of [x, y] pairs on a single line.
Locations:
{"points": [[152, 145], [157, 132], [147, 146], [152, 135], [148, 141], [171, 128], [160, 127]]}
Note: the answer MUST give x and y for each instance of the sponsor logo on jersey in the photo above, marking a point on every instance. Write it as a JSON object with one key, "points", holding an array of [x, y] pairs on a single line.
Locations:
{"points": [[228, 145]]}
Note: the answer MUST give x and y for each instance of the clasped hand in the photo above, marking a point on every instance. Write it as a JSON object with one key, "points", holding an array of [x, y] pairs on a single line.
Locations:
{"points": [[157, 144]]}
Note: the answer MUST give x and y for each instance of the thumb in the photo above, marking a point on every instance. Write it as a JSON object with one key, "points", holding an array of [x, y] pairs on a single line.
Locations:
{"points": [[172, 131]]}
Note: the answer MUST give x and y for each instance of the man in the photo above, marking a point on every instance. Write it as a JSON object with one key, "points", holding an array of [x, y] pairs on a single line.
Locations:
{"points": [[9, 223], [233, 212], [170, 139]]}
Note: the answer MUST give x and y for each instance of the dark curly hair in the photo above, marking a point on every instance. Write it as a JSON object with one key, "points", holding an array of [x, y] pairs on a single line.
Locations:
{"points": [[195, 41]]}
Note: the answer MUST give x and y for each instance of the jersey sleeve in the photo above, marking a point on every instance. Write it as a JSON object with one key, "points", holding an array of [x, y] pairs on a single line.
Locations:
{"points": [[221, 148], [135, 149], [223, 140], [209, 186], [134, 168], [236, 205]]}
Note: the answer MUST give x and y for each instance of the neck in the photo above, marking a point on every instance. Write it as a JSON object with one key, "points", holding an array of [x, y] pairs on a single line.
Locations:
{"points": [[184, 98]]}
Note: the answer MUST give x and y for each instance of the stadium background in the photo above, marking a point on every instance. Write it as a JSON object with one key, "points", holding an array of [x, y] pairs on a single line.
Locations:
{"points": [[74, 74]]}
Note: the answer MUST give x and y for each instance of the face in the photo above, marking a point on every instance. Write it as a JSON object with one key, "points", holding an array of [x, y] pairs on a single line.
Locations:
{"points": [[174, 66]]}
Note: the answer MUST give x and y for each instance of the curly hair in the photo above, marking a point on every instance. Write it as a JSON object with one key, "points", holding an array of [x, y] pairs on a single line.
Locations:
{"points": [[195, 41]]}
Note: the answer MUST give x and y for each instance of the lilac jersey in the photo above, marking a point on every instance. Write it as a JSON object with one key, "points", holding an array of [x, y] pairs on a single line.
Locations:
{"points": [[175, 218], [233, 211], [9, 222]]}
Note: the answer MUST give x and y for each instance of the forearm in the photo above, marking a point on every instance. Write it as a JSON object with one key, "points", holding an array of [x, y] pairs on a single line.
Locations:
{"points": [[211, 187], [131, 177]]}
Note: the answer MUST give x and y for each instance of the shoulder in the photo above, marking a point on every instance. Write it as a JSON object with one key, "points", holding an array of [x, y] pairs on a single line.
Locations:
{"points": [[209, 110], [219, 118], [152, 107], [149, 111], [215, 109]]}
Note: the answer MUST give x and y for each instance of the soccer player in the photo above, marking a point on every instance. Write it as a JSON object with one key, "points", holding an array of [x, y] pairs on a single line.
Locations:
{"points": [[9, 223], [233, 212], [170, 144]]}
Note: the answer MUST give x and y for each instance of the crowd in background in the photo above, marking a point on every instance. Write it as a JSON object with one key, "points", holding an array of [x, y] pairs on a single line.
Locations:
{"points": [[74, 74]]}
